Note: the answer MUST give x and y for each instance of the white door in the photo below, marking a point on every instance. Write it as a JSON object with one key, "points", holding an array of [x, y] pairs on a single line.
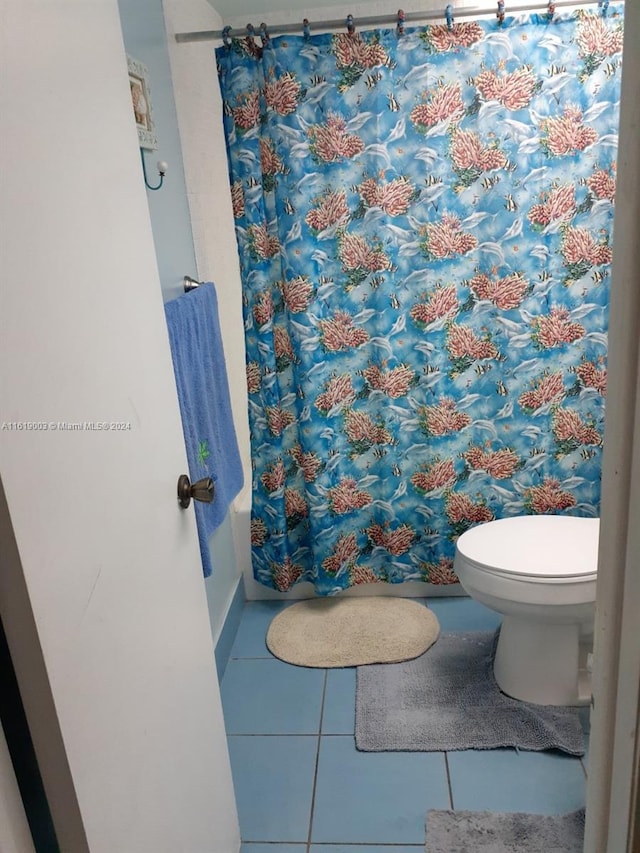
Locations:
{"points": [[101, 587]]}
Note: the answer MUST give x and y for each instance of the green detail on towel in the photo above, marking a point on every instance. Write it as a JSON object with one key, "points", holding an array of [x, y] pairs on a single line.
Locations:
{"points": [[203, 453]]}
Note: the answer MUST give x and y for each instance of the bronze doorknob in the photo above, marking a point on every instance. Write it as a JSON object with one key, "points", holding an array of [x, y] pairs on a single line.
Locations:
{"points": [[201, 491]]}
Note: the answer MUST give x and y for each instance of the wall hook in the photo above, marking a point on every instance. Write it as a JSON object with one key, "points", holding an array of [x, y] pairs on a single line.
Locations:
{"points": [[162, 171]]}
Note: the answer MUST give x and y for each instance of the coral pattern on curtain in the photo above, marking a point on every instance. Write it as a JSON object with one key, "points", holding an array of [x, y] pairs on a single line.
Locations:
{"points": [[424, 226]]}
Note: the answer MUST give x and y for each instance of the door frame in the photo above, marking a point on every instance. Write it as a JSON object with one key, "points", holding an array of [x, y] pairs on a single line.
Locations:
{"points": [[615, 743], [28, 662], [15, 835], [612, 803]]}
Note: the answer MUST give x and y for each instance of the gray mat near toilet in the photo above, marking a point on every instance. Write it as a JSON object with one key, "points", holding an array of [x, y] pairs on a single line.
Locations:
{"points": [[448, 700], [486, 832]]}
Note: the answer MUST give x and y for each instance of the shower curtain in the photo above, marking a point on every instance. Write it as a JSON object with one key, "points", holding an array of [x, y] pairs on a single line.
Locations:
{"points": [[424, 223]]}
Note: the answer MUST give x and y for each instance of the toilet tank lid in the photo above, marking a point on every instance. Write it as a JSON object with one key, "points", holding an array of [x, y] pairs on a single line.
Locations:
{"points": [[543, 546]]}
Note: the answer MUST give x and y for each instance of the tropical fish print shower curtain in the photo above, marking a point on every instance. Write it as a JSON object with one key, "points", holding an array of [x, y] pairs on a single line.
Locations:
{"points": [[424, 223]]}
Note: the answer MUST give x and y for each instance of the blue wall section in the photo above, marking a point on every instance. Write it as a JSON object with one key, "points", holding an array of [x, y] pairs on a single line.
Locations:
{"points": [[145, 39]]}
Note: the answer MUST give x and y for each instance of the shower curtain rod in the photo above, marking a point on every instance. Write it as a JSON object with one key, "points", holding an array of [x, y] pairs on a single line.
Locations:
{"points": [[373, 20]]}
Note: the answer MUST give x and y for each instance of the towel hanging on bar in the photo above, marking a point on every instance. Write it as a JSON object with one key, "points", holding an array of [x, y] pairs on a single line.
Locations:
{"points": [[205, 405]]}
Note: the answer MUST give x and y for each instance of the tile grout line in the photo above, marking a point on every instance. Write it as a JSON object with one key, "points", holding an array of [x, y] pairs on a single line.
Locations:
{"points": [[382, 846], [273, 734], [446, 764], [315, 772], [253, 657]]}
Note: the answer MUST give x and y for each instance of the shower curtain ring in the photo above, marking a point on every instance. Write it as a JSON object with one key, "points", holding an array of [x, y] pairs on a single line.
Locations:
{"points": [[401, 19], [306, 30], [603, 6], [251, 32], [351, 27], [551, 10], [500, 13], [226, 37], [264, 35], [448, 13]]}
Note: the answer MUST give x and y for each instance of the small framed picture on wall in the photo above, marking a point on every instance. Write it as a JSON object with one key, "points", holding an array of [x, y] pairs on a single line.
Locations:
{"points": [[141, 103]]}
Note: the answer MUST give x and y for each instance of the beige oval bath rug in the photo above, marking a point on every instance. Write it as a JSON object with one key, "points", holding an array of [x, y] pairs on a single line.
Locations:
{"points": [[335, 632]]}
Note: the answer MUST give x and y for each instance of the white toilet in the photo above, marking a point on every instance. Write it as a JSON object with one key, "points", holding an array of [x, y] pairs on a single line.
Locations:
{"points": [[540, 572]]}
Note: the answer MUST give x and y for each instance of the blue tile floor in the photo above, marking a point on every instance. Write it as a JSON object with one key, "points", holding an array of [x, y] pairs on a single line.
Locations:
{"points": [[301, 785]]}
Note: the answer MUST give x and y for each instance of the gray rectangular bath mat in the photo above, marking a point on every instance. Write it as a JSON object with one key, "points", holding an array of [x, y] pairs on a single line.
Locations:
{"points": [[486, 832], [447, 699]]}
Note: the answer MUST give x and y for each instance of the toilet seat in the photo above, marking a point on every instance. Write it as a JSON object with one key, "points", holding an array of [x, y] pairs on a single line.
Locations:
{"points": [[523, 577], [540, 572], [547, 549]]}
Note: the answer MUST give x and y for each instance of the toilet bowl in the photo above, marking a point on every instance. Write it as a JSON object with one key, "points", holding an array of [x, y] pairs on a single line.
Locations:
{"points": [[540, 572]]}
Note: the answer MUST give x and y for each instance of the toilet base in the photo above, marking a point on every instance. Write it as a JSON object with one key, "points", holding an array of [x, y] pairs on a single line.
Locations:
{"points": [[543, 662]]}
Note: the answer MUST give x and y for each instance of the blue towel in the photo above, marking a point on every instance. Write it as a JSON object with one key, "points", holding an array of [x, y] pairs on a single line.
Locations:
{"points": [[205, 405]]}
